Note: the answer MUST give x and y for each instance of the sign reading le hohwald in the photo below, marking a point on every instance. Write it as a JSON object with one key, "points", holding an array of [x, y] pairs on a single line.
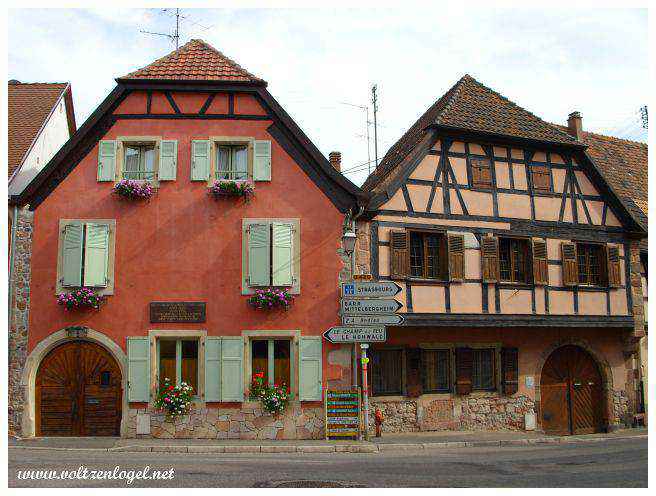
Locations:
{"points": [[177, 311]]}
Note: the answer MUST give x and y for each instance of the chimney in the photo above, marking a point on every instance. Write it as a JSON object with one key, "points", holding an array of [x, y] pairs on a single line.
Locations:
{"points": [[575, 125], [335, 160]]}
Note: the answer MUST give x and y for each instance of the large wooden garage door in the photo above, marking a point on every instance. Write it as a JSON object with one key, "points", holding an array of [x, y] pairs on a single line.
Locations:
{"points": [[571, 393], [78, 392]]}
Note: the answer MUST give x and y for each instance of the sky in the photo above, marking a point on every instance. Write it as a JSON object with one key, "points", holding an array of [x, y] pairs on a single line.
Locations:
{"points": [[321, 64]]}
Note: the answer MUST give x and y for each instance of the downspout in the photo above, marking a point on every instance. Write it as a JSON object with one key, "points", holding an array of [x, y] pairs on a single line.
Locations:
{"points": [[12, 248], [354, 350]]}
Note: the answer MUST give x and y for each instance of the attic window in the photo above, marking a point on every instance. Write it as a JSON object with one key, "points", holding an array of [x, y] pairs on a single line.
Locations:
{"points": [[481, 173], [541, 178]]}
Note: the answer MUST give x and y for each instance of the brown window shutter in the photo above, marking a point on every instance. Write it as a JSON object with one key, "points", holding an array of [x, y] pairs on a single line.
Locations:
{"points": [[398, 254], [413, 372], [540, 267], [456, 244], [570, 264], [481, 173], [614, 271], [509, 370], [464, 369], [540, 178], [490, 258]]}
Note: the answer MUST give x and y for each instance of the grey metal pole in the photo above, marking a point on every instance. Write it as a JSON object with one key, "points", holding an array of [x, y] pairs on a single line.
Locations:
{"points": [[365, 390]]}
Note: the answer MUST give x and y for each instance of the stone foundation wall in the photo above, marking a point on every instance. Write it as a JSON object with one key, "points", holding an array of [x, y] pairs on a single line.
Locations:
{"points": [[621, 408], [19, 317], [228, 423], [490, 412]]}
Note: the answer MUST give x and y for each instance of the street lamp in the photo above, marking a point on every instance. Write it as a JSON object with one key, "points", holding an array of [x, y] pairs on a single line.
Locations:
{"points": [[348, 241]]}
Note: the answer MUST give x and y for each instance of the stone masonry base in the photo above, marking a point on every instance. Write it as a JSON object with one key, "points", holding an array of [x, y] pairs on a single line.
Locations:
{"points": [[228, 423]]}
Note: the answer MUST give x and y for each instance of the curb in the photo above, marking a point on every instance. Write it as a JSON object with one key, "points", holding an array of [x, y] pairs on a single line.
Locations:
{"points": [[337, 448]]}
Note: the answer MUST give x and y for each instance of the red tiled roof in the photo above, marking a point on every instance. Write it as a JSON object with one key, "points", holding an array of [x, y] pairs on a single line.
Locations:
{"points": [[194, 61], [470, 106], [29, 105]]}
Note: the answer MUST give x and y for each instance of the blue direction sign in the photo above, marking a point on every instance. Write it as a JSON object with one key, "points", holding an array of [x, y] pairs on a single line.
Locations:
{"points": [[370, 289], [371, 306]]}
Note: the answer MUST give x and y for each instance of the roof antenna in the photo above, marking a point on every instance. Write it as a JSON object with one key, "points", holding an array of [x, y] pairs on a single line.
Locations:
{"points": [[173, 37], [374, 101]]}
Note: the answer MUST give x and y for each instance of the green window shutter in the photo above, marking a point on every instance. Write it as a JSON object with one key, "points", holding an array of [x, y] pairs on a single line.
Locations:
{"points": [[106, 160], [72, 255], [96, 255], [212, 368], [259, 254], [168, 160], [200, 160], [262, 160], [310, 369], [283, 240], [138, 369], [232, 370]]}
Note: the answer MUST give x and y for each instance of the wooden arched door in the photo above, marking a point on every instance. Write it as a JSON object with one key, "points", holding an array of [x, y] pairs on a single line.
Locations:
{"points": [[571, 393], [78, 392]]}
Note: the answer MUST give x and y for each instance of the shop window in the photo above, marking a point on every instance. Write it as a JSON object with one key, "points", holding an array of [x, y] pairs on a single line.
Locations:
{"points": [[386, 372], [428, 258], [436, 371], [178, 362], [272, 357], [590, 260], [232, 162], [514, 260], [483, 369]]}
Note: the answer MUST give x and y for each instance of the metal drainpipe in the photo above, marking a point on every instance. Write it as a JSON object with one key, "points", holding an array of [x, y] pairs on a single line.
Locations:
{"points": [[12, 248], [354, 350]]}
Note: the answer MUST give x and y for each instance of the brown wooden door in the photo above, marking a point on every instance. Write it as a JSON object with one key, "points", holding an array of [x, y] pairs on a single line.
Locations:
{"points": [[78, 392], [571, 393]]}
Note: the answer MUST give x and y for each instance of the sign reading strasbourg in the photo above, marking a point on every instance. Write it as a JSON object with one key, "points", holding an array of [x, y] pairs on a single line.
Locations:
{"points": [[177, 311]]}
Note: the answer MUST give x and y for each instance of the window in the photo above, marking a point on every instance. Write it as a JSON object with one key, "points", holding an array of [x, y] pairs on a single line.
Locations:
{"points": [[178, 361], [514, 260], [139, 162], [428, 256], [232, 162], [481, 173], [541, 178], [271, 254], [436, 370], [272, 357], [483, 369], [386, 372], [86, 255], [590, 259]]}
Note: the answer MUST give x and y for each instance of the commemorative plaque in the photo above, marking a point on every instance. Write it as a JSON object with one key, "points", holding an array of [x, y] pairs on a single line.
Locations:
{"points": [[191, 312]]}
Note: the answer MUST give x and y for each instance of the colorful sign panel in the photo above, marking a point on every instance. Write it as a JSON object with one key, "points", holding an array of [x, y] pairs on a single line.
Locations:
{"points": [[342, 409]]}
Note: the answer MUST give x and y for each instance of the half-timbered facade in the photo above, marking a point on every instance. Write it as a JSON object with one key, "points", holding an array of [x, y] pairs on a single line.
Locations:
{"points": [[176, 272], [514, 255]]}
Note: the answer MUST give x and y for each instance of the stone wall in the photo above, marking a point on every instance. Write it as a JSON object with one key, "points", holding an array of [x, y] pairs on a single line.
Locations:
{"points": [[19, 317], [621, 408], [363, 248], [489, 412], [229, 423]]}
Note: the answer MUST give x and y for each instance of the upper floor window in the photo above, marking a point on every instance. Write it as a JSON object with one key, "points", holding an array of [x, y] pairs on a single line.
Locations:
{"points": [[514, 260], [590, 258], [541, 178], [232, 162], [139, 161], [481, 172], [427, 255]]}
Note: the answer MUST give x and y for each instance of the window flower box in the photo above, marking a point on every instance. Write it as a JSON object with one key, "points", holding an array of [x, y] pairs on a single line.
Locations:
{"points": [[174, 400], [226, 188], [274, 398], [134, 190], [82, 298], [270, 298]]}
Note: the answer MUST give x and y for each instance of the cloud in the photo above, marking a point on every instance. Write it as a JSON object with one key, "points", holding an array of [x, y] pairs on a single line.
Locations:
{"points": [[550, 62]]}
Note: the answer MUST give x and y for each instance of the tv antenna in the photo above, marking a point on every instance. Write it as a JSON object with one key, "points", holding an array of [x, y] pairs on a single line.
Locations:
{"points": [[175, 37], [368, 122]]}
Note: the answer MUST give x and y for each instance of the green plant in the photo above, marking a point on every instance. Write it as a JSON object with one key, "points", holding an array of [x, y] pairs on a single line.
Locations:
{"points": [[274, 398], [174, 400]]}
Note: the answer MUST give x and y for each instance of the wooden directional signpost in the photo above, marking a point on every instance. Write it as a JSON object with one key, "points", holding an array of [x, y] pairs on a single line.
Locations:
{"points": [[366, 308]]}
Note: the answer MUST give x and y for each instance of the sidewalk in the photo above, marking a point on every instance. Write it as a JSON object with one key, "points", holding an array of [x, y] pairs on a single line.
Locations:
{"points": [[403, 441]]}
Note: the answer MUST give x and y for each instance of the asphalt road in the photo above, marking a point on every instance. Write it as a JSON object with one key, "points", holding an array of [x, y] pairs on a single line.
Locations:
{"points": [[613, 463]]}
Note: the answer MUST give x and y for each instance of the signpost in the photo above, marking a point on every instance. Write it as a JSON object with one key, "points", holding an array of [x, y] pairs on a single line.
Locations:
{"points": [[342, 413], [359, 334], [370, 289], [372, 320], [371, 306]]}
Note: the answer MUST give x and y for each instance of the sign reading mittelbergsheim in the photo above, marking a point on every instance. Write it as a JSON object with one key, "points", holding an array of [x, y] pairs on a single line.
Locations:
{"points": [[370, 289], [372, 306]]}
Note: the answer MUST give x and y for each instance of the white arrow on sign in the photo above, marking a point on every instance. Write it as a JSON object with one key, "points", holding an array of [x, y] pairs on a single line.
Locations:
{"points": [[373, 306], [359, 334], [371, 289], [391, 319]]}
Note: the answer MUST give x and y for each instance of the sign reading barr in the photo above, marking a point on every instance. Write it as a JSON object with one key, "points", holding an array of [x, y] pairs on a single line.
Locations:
{"points": [[372, 306], [177, 311], [370, 289], [355, 334]]}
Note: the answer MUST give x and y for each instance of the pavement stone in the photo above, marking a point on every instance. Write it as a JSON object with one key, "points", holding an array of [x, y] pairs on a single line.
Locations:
{"points": [[316, 449]]}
